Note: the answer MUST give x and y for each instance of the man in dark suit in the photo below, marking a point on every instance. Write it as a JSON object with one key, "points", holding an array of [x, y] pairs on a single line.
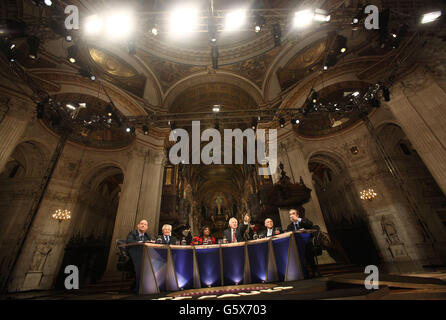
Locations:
{"points": [[166, 237], [298, 223], [235, 232], [269, 229], [141, 235]]}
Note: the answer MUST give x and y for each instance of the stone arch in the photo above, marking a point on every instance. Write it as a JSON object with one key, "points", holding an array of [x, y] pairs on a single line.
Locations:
{"points": [[341, 208], [220, 77], [17, 195]]}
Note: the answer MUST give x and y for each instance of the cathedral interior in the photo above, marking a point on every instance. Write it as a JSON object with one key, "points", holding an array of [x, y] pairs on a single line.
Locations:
{"points": [[87, 111]]}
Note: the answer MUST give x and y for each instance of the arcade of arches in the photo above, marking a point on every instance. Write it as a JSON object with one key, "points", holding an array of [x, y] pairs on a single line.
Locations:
{"points": [[110, 179]]}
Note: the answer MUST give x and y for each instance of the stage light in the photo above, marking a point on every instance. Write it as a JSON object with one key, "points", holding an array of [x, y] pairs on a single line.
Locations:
{"points": [[303, 18], [70, 106], [212, 30], [254, 124], [282, 122], [93, 24], [72, 54], [235, 19], [295, 121], [145, 130], [82, 105], [355, 94], [216, 108], [260, 22], [87, 74], [128, 129], [277, 34], [109, 109], [48, 3], [69, 38], [343, 49], [12, 46], [314, 97], [33, 44], [386, 94], [321, 15], [119, 24], [430, 17], [393, 35], [355, 21], [183, 20], [325, 67], [92, 77], [155, 30]]}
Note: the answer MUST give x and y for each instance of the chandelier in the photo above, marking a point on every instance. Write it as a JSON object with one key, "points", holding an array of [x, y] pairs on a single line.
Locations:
{"points": [[61, 215], [368, 194]]}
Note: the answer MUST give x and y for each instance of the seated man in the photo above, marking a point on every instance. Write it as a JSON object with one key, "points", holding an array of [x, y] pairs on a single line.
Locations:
{"points": [[140, 233], [235, 233], [269, 231], [298, 223], [135, 252], [167, 237]]}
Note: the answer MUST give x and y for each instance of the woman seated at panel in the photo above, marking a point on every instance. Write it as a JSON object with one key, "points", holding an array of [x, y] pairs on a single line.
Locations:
{"points": [[204, 238]]}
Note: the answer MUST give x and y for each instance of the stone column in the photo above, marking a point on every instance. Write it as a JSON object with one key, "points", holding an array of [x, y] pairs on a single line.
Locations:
{"points": [[419, 105], [296, 166], [13, 122], [140, 197]]}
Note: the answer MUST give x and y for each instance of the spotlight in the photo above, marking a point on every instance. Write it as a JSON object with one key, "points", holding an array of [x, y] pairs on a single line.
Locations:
{"points": [[119, 24], [355, 94], [355, 21], [216, 108], [72, 53], [40, 108], [325, 67], [321, 15], [155, 30], [130, 129], [235, 19], [183, 20], [33, 44], [70, 106], [214, 56], [109, 110], [11, 46], [87, 74], [93, 24], [282, 122], [386, 93], [212, 30], [430, 17], [69, 38], [260, 22], [295, 121], [145, 129], [302, 18], [341, 43], [314, 96], [254, 124], [277, 34], [48, 3]]}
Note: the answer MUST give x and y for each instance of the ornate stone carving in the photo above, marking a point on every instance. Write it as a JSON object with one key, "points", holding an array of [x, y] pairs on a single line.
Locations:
{"points": [[39, 258]]}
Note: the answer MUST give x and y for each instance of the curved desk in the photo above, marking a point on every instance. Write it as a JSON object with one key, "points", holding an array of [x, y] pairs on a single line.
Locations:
{"points": [[161, 267]]}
